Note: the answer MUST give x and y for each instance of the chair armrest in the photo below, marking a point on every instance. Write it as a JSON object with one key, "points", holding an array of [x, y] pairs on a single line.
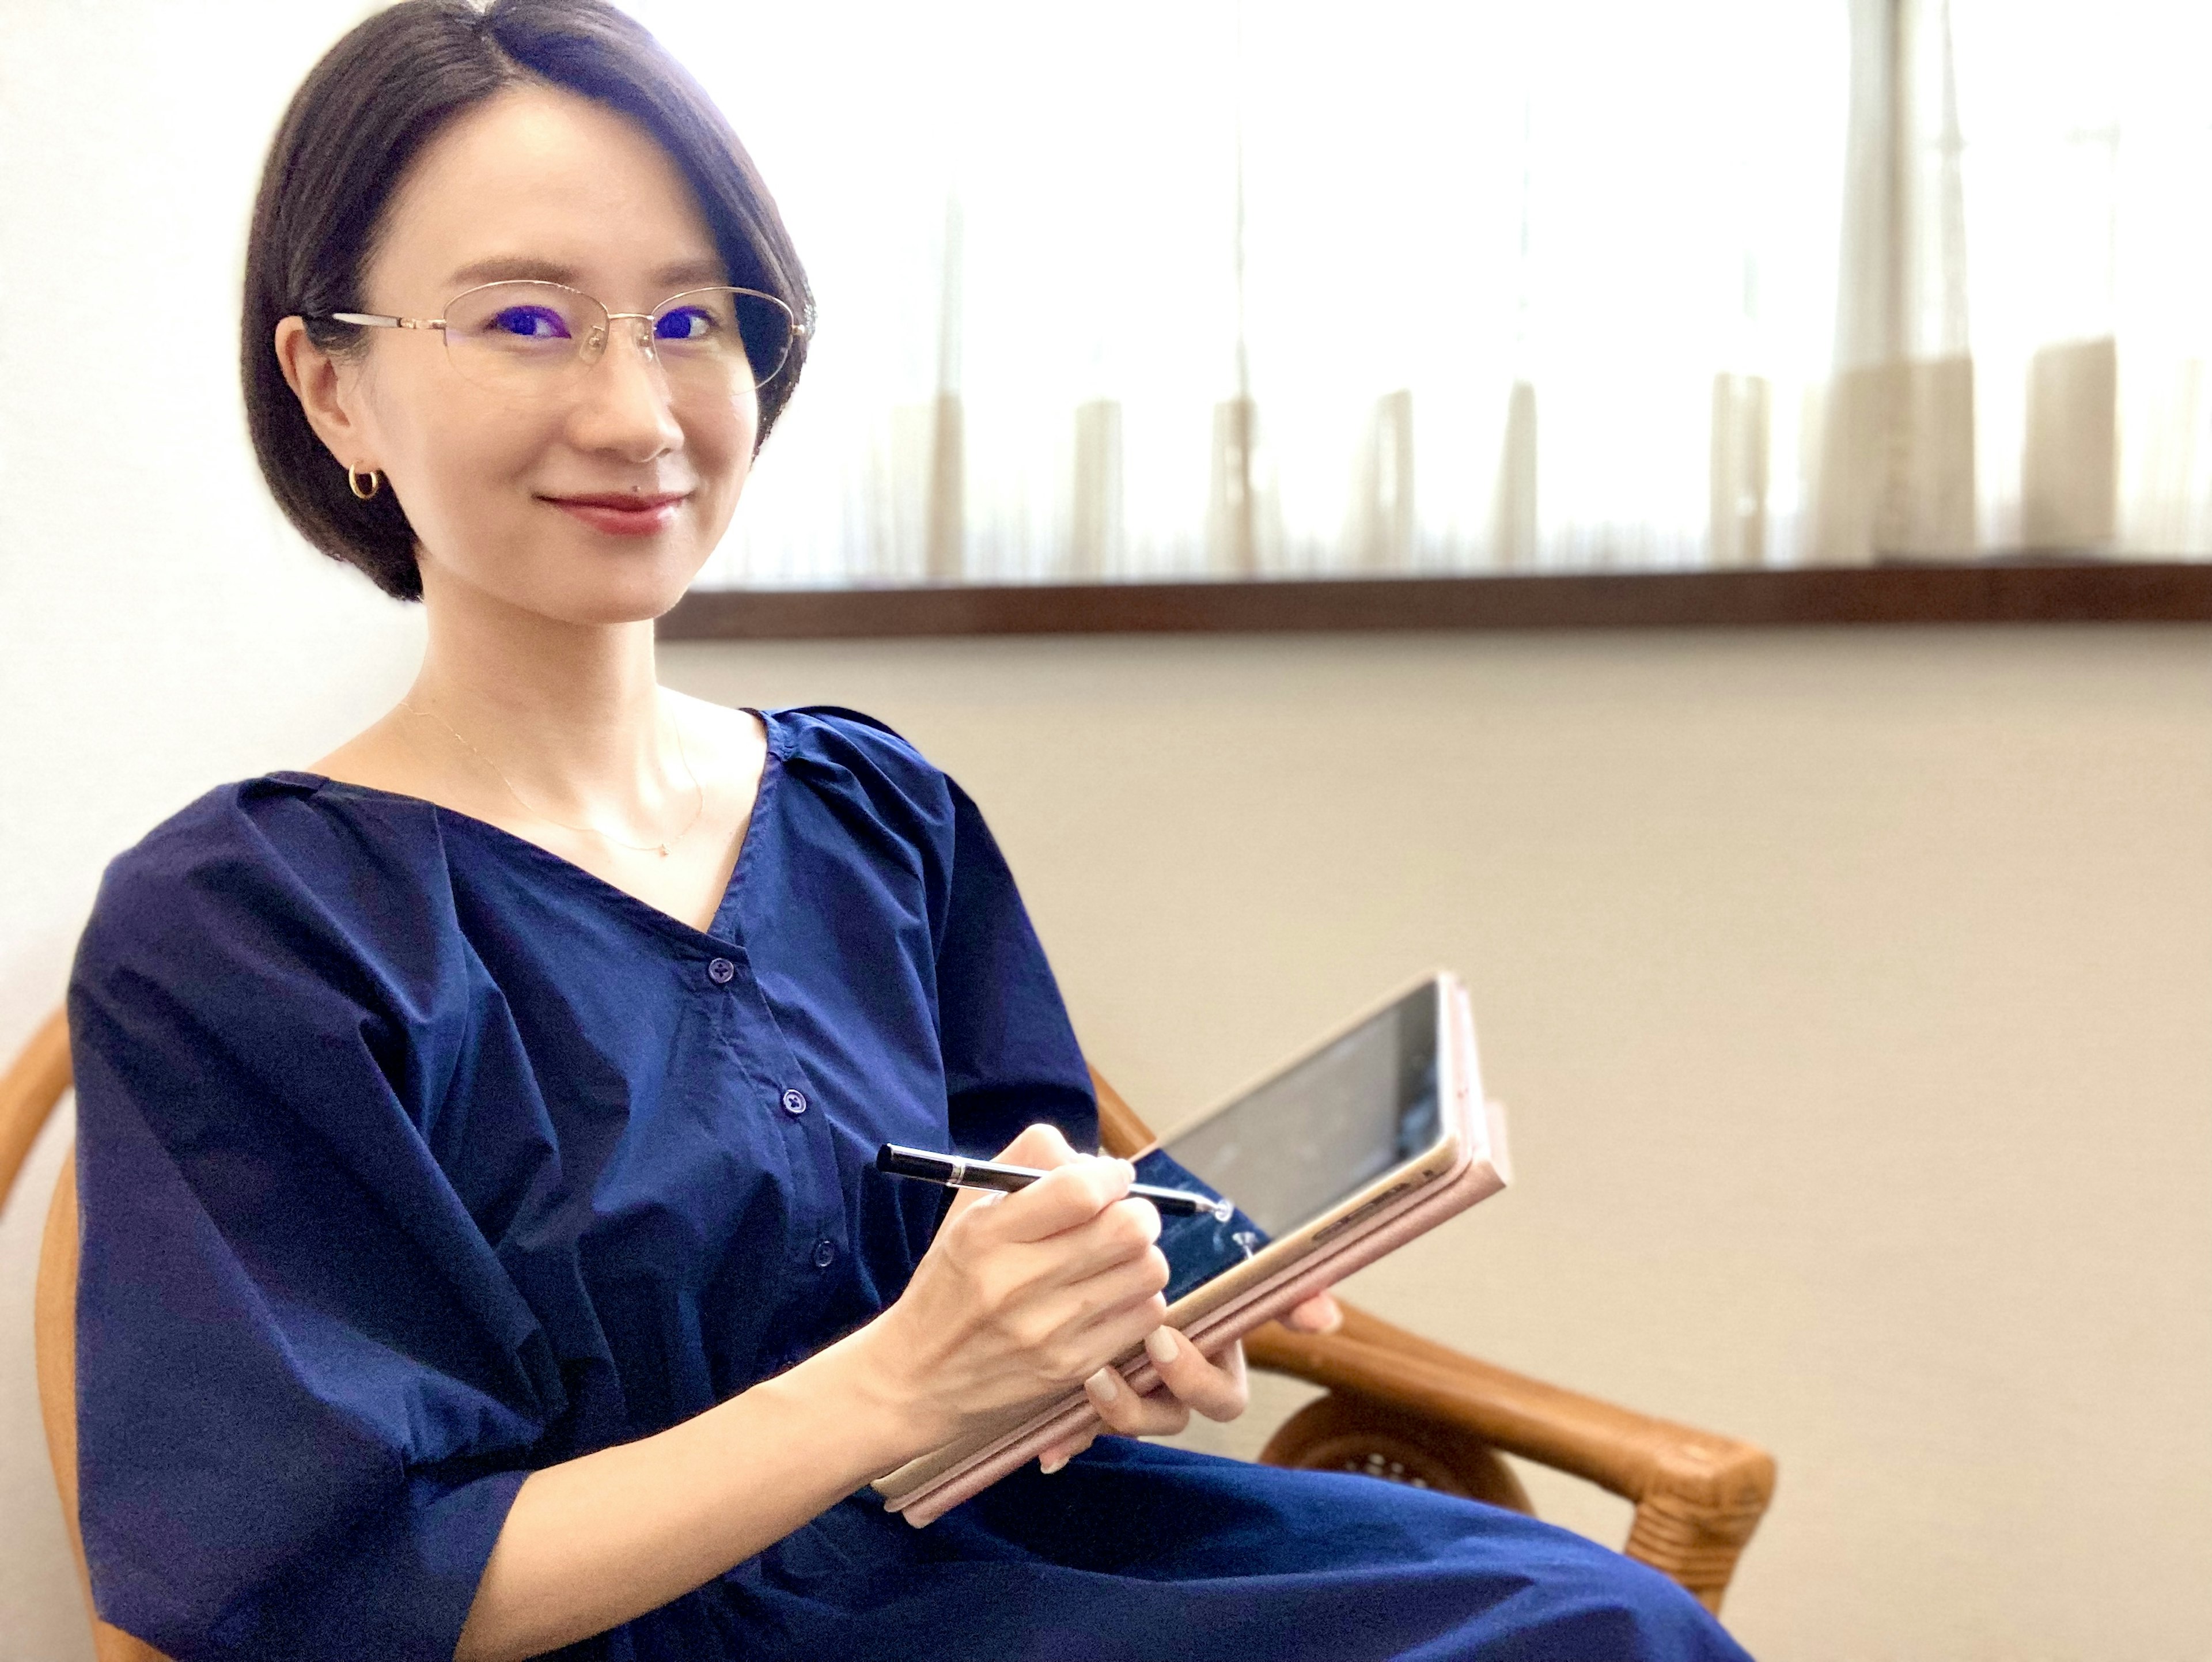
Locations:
{"points": [[1121, 1133], [1699, 1495]]}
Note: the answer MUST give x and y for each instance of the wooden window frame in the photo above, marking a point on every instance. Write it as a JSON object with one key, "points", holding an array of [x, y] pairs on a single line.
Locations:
{"points": [[2027, 591]]}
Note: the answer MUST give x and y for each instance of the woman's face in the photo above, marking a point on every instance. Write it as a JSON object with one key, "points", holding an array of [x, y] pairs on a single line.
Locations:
{"points": [[539, 183]]}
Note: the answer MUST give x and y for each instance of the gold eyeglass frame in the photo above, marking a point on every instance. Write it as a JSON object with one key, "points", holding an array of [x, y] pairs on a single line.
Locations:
{"points": [[589, 350]]}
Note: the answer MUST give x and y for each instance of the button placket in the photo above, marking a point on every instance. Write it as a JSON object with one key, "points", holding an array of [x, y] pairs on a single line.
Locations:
{"points": [[819, 1203]]}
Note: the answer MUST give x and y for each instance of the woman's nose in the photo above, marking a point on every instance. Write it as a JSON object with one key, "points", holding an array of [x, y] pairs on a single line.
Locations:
{"points": [[625, 402]]}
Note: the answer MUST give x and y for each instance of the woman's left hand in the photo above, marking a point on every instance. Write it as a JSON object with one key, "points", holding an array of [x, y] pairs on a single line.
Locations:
{"points": [[1187, 1381]]}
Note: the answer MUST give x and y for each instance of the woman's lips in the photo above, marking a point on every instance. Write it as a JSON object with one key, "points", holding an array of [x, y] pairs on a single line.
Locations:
{"points": [[622, 515]]}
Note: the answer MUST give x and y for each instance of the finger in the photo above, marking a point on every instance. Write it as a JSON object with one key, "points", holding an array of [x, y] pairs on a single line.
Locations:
{"points": [[1217, 1391], [1120, 1290], [1059, 1454], [965, 1200], [1123, 1234], [1042, 1145], [1158, 1414], [1115, 1332], [1318, 1314], [1065, 1196]]}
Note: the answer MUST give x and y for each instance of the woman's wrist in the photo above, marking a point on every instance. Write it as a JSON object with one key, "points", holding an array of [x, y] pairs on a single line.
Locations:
{"points": [[859, 1381], [595, 1541]]}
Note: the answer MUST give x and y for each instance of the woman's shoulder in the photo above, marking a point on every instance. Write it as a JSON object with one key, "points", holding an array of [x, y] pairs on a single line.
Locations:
{"points": [[832, 733], [288, 820], [848, 751], [285, 854]]}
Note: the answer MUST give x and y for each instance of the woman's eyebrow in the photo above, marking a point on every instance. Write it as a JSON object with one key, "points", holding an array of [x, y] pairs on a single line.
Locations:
{"points": [[691, 271], [506, 268]]}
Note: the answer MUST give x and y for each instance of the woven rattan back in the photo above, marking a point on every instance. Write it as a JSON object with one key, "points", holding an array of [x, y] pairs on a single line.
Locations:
{"points": [[30, 1091]]}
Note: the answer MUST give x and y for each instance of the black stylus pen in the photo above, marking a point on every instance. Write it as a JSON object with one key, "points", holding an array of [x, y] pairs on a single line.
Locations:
{"points": [[954, 1172]]}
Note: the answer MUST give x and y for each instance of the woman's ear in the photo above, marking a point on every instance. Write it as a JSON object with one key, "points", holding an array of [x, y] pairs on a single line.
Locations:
{"points": [[312, 376]]}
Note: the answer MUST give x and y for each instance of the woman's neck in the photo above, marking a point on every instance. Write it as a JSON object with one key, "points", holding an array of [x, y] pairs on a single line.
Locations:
{"points": [[559, 733], [568, 714]]}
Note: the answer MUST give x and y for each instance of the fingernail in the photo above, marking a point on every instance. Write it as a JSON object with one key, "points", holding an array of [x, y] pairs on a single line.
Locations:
{"points": [[1052, 1465], [1127, 1170], [1103, 1385], [1160, 1346]]}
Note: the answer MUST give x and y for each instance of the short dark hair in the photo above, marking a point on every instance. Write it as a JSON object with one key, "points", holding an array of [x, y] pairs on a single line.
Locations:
{"points": [[361, 115]]}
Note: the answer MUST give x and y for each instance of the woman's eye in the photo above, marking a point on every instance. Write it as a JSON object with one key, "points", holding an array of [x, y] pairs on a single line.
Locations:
{"points": [[688, 324], [532, 322]]}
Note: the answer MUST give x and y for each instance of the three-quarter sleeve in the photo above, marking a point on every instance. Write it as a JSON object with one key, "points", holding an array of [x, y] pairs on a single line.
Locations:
{"points": [[306, 1388], [917, 845], [1011, 1056]]}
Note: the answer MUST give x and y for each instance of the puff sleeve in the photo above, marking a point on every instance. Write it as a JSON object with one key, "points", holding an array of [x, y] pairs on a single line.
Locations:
{"points": [[1011, 1054], [306, 1389]]}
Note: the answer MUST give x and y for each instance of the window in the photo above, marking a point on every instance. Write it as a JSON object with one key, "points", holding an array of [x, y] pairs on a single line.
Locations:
{"points": [[1210, 289]]}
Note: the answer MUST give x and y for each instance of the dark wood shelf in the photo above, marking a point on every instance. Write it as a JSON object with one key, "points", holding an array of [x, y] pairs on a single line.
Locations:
{"points": [[2023, 592]]}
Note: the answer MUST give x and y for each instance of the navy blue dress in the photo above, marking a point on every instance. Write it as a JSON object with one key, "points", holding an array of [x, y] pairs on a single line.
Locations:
{"points": [[413, 1158]]}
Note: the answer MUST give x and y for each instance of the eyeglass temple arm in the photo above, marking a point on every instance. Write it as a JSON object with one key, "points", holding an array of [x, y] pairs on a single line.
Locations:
{"points": [[370, 320]]}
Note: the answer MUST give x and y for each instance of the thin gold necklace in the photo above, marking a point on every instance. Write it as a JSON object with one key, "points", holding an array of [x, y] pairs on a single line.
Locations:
{"points": [[699, 805]]}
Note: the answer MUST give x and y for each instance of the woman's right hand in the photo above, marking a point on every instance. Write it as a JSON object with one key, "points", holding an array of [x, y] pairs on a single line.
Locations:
{"points": [[1022, 1297]]}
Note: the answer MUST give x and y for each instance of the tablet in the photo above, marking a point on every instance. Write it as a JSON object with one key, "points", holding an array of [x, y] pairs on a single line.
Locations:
{"points": [[1364, 1141], [1347, 1128]]}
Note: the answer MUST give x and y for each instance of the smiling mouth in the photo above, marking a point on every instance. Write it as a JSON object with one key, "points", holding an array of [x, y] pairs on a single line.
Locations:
{"points": [[621, 513], [632, 499]]}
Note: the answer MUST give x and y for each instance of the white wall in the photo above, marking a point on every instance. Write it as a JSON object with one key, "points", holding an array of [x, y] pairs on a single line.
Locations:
{"points": [[1850, 990], [159, 629]]}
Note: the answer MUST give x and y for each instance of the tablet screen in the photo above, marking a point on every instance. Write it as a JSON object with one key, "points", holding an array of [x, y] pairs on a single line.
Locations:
{"points": [[1303, 1142]]}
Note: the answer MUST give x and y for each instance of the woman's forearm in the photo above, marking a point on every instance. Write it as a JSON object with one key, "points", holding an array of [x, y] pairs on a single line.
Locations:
{"points": [[1016, 1300], [595, 1541]]}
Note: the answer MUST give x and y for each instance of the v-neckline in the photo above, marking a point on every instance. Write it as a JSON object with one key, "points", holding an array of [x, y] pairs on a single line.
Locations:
{"points": [[718, 930]]}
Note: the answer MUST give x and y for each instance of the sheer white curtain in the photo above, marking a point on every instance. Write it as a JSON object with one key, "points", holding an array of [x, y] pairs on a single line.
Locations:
{"points": [[2020, 343], [1206, 289], [2086, 159]]}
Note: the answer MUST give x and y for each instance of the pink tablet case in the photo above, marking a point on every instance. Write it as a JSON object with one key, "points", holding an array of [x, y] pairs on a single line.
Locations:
{"points": [[1475, 1177]]}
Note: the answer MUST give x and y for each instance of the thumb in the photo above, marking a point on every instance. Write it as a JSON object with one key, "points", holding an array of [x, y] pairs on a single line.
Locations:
{"points": [[1041, 1147]]}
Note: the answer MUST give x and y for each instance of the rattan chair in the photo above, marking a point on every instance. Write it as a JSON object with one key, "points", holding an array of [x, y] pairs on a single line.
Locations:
{"points": [[1398, 1407]]}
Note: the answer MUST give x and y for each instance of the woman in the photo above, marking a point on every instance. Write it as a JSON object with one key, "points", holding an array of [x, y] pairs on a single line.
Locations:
{"points": [[480, 1256]]}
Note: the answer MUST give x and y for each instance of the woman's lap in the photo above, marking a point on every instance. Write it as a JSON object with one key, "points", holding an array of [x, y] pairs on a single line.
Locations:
{"points": [[1133, 1547]]}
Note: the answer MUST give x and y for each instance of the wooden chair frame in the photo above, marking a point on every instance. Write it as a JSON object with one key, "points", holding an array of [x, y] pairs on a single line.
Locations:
{"points": [[1398, 1406]]}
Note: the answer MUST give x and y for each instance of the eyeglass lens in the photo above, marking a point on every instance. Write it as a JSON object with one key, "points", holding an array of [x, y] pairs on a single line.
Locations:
{"points": [[710, 340]]}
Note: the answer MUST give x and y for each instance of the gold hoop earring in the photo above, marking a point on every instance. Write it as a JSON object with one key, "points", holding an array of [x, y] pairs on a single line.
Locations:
{"points": [[353, 482]]}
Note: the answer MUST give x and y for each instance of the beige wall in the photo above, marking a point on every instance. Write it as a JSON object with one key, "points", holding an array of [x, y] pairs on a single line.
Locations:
{"points": [[1852, 992]]}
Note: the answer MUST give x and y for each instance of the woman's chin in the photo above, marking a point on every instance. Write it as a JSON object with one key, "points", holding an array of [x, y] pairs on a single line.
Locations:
{"points": [[634, 596], [622, 580], [588, 592]]}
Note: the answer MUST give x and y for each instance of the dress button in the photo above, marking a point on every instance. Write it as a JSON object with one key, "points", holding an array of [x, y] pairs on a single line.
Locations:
{"points": [[720, 971], [794, 1102], [825, 1254]]}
